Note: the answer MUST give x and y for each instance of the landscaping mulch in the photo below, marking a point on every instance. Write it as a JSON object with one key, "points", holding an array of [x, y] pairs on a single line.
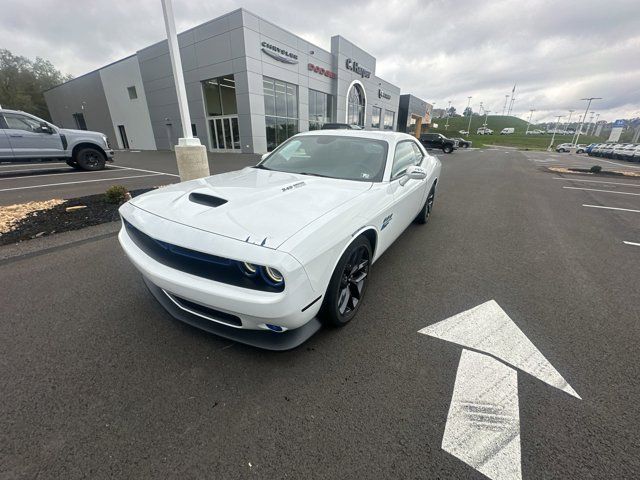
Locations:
{"points": [[58, 217], [610, 173]]}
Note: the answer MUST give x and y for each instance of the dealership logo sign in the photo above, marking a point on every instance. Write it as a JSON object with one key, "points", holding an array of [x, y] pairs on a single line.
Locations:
{"points": [[321, 71], [357, 68], [383, 94], [279, 54]]}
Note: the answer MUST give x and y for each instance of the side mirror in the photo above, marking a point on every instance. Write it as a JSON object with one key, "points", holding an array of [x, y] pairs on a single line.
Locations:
{"points": [[414, 172], [264, 155], [45, 128]]}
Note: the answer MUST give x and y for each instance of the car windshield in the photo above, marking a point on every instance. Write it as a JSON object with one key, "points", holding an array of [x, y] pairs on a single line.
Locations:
{"points": [[333, 156]]}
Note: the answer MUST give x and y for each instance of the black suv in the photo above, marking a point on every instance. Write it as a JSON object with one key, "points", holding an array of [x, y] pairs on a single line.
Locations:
{"points": [[437, 140]]}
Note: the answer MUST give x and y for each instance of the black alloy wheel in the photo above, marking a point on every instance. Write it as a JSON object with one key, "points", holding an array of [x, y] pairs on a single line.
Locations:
{"points": [[447, 149], [90, 159], [425, 213], [348, 284]]}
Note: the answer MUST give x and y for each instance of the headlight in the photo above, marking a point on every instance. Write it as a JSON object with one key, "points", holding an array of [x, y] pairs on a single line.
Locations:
{"points": [[249, 269], [105, 140], [272, 276]]}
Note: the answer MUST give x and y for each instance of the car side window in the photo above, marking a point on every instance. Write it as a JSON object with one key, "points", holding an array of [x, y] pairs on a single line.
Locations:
{"points": [[404, 157], [418, 153], [20, 122]]}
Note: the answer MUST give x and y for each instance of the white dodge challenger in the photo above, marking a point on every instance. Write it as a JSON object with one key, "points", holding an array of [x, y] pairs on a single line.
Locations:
{"points": [[263, 255]]}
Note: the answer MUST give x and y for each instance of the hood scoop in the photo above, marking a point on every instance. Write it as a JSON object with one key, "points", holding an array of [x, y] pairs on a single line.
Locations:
{"points": [[208, 200]]}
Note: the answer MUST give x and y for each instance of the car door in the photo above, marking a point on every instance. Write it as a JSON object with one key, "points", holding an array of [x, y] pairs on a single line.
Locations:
{"points": [[407, 197], [5, 146], [27, 139]]}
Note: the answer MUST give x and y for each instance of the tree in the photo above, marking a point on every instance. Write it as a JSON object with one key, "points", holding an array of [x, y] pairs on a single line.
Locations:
{"points": [[467, 112], [22, 83], [451, 111]]}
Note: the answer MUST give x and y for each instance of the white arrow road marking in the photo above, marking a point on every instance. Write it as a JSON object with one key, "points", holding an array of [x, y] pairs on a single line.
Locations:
{"points": [[487, 328], [483, 425]]}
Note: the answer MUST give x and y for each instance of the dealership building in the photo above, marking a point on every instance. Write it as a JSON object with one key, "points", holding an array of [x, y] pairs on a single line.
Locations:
{"points": [[250, 85]]}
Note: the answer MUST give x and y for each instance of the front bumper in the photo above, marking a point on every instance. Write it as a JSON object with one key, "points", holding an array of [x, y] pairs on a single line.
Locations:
{"points": [[110, 154], [292, 309]]}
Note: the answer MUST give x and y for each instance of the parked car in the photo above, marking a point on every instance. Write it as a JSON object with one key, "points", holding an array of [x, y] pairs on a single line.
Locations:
{"points": [[462, 143], [620, 151], [26, 137], [607, 150], [508, 131], [463, 132], [564, 147], [590, 147], [536, 131], [253, 256], [340, 126], [484, 131], [636, 155], [439, 141]]}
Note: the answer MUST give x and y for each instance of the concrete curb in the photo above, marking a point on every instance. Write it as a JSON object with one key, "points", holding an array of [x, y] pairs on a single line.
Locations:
{"points": [[39, 246]]}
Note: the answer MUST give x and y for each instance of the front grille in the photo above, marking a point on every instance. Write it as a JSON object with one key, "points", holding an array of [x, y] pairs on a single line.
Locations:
{"points": [[204, 311], [201, 264]]}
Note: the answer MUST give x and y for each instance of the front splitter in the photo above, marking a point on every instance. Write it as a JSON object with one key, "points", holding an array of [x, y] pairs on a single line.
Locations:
{"points": [[256, 338]]}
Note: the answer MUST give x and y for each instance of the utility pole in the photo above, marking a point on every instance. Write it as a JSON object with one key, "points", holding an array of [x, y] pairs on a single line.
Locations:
{"points": [[589, 100], [513, 99], [506, 97], [554, 133], [446, 125], [191, 156], [480, 109], [486, 114], [529, 122], [593, 114], [470, 114]]}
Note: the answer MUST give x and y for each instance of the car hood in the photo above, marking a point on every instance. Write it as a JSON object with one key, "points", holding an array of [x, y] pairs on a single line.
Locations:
{"points": [[87, 133], [263, 207]]}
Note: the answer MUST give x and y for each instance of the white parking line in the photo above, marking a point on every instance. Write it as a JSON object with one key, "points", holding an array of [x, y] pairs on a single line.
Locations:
{"points": [[632, 243], [29, 170], [81, 181], [72, 172], [604, 191], [148, 171], [598, 181], [611, 208], [620, 164]]}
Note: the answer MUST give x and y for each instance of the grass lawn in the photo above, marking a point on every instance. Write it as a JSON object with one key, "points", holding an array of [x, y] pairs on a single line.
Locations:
{"points": [[497, 123]]}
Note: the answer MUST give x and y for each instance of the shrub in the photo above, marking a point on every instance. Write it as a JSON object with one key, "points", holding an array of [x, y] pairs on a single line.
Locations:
{"points": [[595, 169], [117, 194]]}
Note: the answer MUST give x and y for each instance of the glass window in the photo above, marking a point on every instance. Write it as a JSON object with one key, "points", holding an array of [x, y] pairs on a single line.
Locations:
{"points": [[319, 109], [389, 117], [220, 96], [355, 106], [376, 114], [418, 152], [212, 97], [405, 156], [132, 93], [348, 158], [21, 122], [227, 87], [281, 111]]}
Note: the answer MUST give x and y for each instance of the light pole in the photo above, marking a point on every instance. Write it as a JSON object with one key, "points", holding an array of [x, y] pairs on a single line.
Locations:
{"points": [[446, 125], [480, 109], [593, 114], [529, 122], [191, 156], [506, 97], [469, 127], [595, 124], [554, 133], [486, 114], [589, 100], [569, 121]]}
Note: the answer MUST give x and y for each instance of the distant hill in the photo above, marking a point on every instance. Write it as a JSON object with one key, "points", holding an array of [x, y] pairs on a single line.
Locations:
{"points": [[494, 122]]}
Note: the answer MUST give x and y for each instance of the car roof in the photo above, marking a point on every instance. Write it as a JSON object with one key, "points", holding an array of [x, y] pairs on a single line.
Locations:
{"points": [[387, 136], [6, 110]]}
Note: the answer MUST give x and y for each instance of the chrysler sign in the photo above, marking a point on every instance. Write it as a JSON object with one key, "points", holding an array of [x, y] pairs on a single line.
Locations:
{"points": [[352, 65], [279, 54], [383, 94]]}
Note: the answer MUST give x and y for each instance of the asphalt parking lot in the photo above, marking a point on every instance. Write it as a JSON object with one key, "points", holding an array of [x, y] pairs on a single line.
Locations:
{"points": [[99, 381], [23, 182]]}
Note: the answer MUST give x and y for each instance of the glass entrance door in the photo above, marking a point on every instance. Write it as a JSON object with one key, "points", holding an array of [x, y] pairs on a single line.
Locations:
{"points": [[224, 133]]}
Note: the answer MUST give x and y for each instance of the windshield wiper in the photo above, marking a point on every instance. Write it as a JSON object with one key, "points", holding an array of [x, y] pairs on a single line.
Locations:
{"points": [[315, 174], [262, 167]]}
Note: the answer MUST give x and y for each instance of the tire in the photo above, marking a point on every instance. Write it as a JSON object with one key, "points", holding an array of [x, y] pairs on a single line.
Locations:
{"points": [[465, 145], [90, 159], [425, 213], [447, 149], [73, 164], [348, 284]]}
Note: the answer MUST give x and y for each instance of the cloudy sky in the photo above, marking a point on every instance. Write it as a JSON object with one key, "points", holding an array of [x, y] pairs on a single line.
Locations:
{"points": [[556, 52]]}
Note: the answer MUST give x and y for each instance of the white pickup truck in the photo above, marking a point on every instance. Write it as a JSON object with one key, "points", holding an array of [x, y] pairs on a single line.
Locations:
{"points": [[26, 137]]}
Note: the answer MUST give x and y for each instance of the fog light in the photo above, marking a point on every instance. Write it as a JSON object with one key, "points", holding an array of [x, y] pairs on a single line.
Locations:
{"points": [[275, 328]]}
